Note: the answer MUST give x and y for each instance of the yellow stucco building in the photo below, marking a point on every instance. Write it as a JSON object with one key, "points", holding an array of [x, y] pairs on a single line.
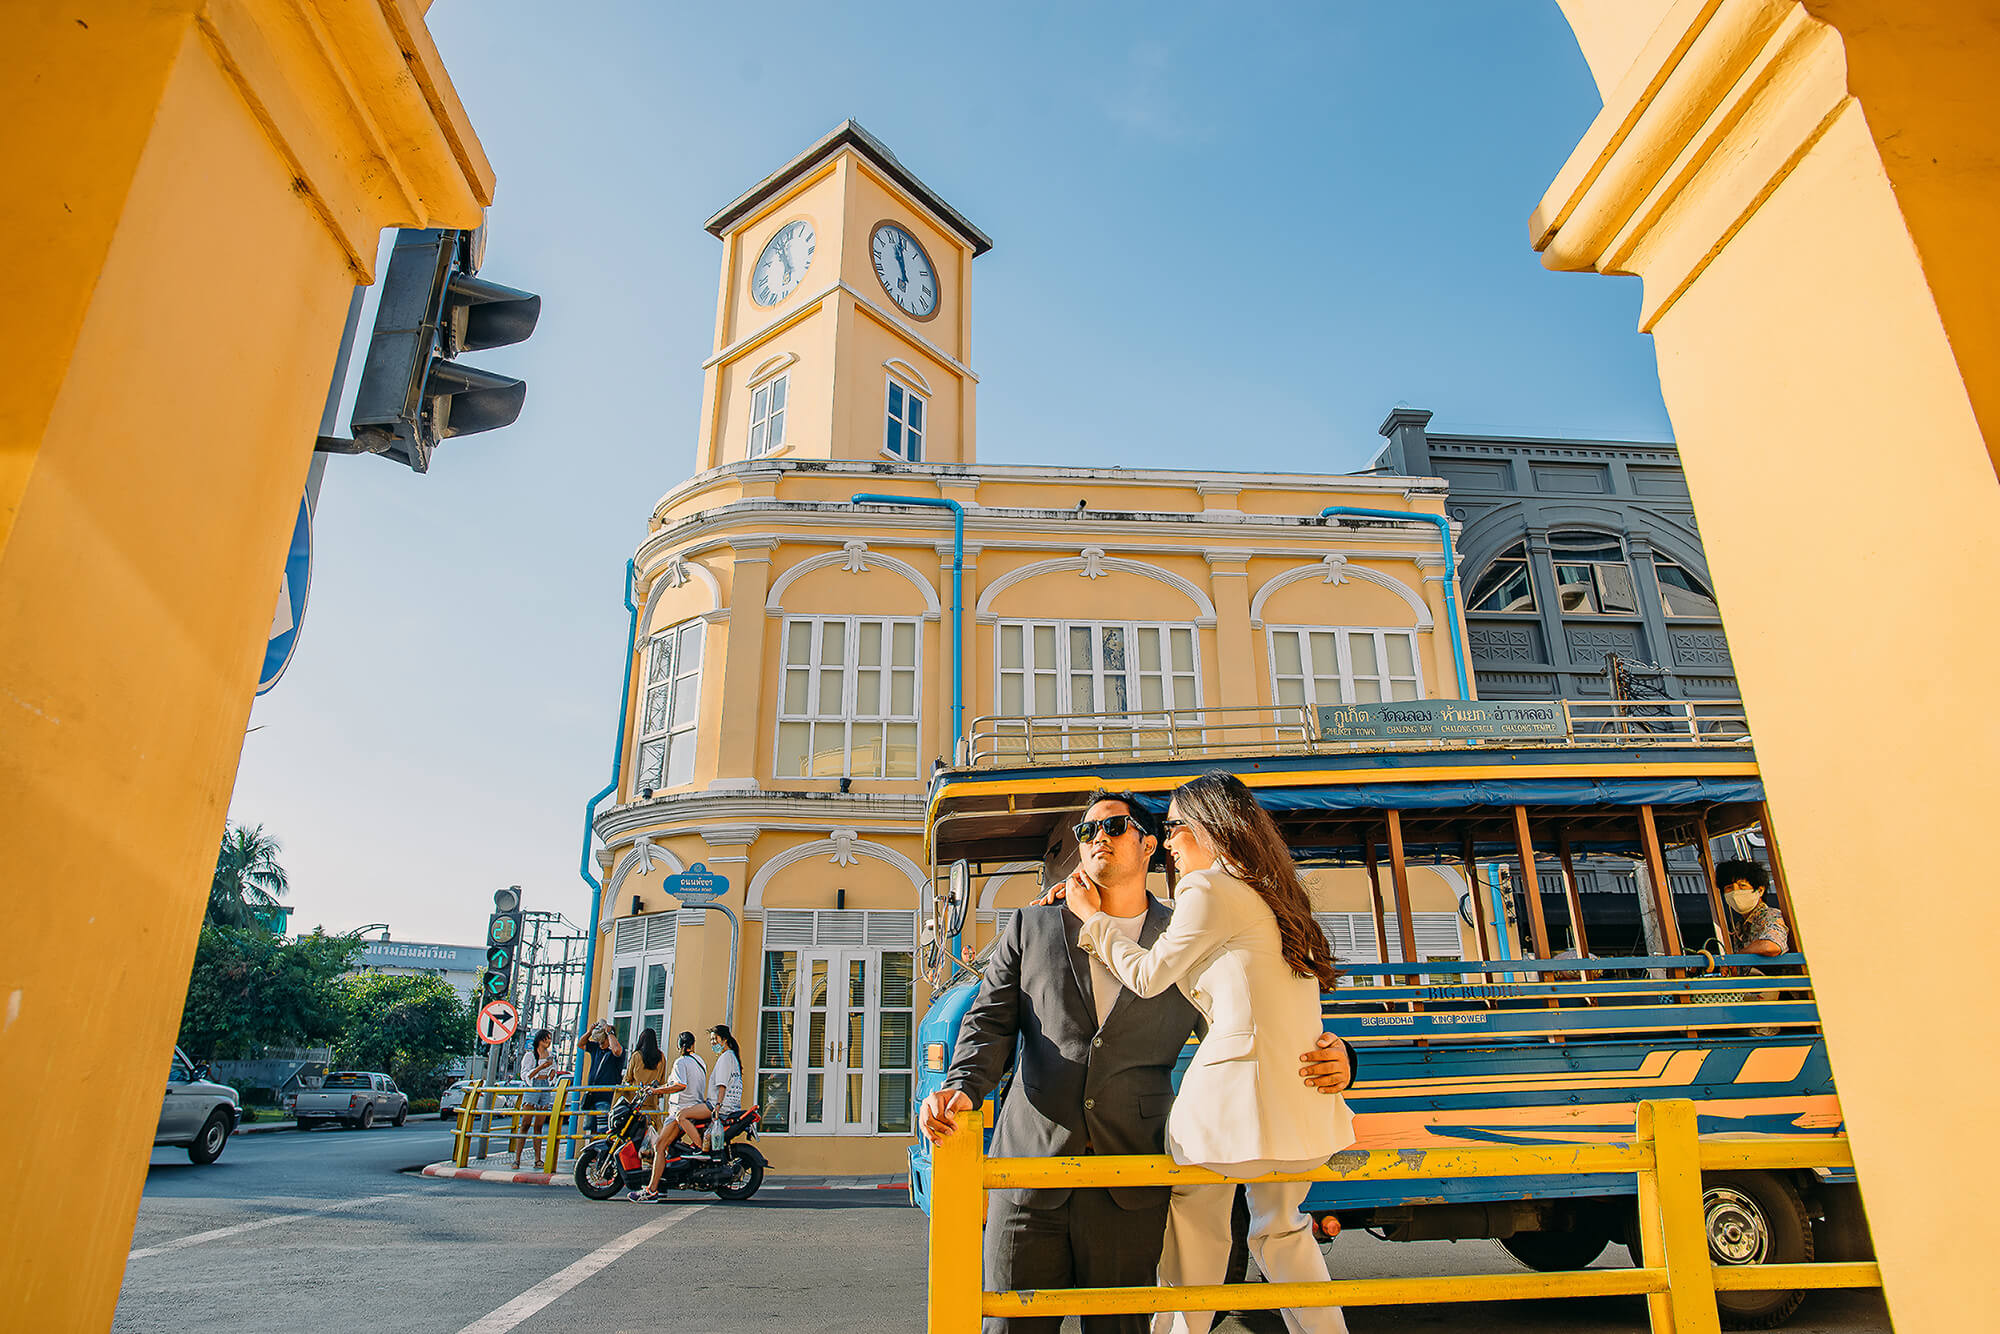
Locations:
{"points": [[793, 679]]}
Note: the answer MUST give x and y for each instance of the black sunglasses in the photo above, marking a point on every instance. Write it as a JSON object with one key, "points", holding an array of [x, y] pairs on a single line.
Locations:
{"points": [[1167, 827], [1114, 826]]}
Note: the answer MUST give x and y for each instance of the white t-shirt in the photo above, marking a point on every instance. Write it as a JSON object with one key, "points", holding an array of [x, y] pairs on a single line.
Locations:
{"points": [[1104, 984], [727, 1070], [688, 1070]]}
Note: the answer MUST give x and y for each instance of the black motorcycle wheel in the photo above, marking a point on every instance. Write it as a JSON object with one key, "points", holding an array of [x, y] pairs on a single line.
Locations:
{"points": [[597, 1174], [746, 1173]]}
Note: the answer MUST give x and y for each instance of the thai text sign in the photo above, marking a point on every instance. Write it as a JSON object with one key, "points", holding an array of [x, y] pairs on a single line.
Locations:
{"points": [[697, 884], [1443, 720]]}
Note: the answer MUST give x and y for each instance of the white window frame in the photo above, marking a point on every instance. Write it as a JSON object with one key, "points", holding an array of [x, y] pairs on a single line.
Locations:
{"points": [[1082, 735], [1344, 650], [905, 432], [641, 944], [673, 661], [1603, 581], [838, 939], [846, 713], [768, 403]]}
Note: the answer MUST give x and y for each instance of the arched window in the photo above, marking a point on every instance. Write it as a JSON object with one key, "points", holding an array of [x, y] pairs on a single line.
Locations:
{"points": [[1592, 578], [1681, 593], [1505, 586]]}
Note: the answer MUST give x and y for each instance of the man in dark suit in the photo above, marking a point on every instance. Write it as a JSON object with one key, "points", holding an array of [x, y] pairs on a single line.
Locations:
{"points": [[1094, 1074]]}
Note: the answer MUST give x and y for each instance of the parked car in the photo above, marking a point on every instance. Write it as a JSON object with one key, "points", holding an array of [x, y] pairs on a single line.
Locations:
{"points": [[196, 1114], [454, 1097], [357, 1098]]}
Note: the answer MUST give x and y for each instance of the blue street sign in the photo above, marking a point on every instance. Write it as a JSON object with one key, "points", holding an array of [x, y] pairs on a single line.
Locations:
{"points": [[291, 601], [697, 884]]}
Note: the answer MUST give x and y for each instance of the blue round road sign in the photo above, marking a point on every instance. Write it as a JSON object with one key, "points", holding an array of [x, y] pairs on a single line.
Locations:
{"points": [[291, 602]]}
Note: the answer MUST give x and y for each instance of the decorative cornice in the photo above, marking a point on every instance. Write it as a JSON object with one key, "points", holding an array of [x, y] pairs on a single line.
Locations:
{"points": [[841, 847], [678, 814], [356, 101], [1337, 568], [1726, 98], [853, 556]]}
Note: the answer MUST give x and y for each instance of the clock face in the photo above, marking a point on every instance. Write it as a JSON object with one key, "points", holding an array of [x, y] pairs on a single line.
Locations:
{"points": [[905, 270], [783, 263]]}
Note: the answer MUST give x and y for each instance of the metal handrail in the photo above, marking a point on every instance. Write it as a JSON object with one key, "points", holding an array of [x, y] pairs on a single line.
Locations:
{"points": [[559, 1113], [1666, 1154], [1218, 731]]}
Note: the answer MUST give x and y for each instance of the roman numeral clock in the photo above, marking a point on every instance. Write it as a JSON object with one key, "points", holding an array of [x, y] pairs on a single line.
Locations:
{"points": [[905, 270]]}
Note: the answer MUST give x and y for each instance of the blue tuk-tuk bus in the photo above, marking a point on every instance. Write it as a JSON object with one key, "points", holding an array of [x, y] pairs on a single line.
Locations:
{"points": [[1602, 974]]}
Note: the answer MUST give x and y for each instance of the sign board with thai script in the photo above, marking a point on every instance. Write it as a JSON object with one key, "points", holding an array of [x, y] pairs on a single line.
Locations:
{"points": [[697, 884], [1444, 720]]}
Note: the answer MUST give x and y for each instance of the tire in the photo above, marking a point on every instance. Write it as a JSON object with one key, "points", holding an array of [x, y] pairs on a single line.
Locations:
{"points": [[402, 1115], [367, 1121], [208, 1145], [307, 1123], [597, 1174], [1549, 1252], [1754, 1218], [747, 1173]]}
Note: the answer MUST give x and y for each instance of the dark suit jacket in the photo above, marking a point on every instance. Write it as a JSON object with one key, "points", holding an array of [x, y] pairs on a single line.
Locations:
{"points": [[1076, 1088]]}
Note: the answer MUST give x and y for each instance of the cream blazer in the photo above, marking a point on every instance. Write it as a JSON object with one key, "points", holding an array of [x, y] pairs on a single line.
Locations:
{"points": [[1242, 1099]]}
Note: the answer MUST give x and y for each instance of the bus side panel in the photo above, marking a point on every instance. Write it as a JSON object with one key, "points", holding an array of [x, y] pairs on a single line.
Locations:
{"points": [[937, 1035]]}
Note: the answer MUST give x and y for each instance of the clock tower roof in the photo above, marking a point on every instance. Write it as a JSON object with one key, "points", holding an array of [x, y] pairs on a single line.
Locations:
{"points": [[848, 134]]}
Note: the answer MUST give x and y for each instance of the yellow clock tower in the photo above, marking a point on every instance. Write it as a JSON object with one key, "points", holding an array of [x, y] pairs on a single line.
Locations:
{"points": [[843, 329]]}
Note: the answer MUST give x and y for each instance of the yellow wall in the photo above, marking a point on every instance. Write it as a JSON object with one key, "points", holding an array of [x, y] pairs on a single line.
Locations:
{"points": [[1823, 312], [197, 201]]}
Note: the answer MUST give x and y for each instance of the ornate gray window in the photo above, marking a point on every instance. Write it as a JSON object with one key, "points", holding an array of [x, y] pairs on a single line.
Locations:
{"points": [[1681, 593], [1506, 584], [1592, 578]]}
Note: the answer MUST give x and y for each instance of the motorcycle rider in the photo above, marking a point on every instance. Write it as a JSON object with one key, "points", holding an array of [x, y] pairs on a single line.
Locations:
{"points": [[684, 1088]]}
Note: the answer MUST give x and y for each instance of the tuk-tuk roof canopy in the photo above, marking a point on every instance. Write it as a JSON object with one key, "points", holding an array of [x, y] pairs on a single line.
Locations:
{"points": [[1330, 807]]}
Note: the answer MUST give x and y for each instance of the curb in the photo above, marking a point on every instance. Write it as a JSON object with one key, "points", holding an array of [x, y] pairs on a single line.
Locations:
{"points": [[449, 1171]]}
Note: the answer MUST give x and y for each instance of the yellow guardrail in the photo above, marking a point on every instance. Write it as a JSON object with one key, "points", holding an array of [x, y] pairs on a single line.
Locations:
{"points": [[557, 1124], [1666, 1154]]}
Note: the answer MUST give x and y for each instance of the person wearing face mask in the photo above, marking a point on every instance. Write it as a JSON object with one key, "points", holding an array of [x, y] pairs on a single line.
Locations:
{"points": [[1755, 927]]}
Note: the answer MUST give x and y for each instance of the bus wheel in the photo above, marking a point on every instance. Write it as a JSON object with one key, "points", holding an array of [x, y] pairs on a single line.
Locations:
{"points": [[1756, 1218], [1551, 1251]]}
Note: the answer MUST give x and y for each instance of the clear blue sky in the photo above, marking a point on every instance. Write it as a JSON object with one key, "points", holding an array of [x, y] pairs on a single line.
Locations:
{"points": [[1223, 238]]}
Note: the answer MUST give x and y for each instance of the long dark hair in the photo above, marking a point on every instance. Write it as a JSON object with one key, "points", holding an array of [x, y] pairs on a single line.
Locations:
{"points": [[1247, 838], [647, 1049], [728, 1040]]}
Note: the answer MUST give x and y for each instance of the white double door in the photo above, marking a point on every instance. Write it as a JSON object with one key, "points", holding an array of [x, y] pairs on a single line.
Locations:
{"points": [[837, 1017]]}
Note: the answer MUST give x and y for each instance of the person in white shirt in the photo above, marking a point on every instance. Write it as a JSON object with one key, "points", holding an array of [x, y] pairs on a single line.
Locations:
{"points": [[686, 1085]]}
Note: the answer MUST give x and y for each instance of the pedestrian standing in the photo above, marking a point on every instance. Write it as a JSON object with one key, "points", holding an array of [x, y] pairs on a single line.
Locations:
{"points": [[607, 1070], [538, 1067]]}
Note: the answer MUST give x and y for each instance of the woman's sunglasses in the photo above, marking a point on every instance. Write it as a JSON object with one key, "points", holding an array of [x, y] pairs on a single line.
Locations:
{"points": [[1168, 828], [1114, 826]]}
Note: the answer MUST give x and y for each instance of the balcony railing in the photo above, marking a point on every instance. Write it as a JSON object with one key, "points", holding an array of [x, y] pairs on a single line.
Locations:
{"points": [[999, 741]]}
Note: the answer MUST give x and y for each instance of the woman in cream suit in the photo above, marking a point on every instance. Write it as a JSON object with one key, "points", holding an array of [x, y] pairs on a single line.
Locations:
{"points": [[1243, 946]]}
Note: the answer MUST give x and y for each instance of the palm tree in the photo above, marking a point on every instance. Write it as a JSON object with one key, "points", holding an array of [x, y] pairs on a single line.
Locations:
{"points": [[248, 880]]}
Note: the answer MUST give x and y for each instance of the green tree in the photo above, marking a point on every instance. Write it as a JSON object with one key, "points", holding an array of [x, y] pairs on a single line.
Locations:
{"points": [[251, 989], [248, 879], [410, 1027]]}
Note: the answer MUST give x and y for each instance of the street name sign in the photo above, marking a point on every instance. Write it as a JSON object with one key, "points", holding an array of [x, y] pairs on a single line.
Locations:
{"points": [[1444, 720], [497, 1022], [697, 884]]}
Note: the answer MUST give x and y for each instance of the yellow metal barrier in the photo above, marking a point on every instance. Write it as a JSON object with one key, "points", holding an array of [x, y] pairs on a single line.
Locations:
{"points": [[1666, 1154], [503, 1103]]}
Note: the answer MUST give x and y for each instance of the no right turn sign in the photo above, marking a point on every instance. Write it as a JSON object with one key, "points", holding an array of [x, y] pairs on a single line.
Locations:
{"points": [[497, 1022]]}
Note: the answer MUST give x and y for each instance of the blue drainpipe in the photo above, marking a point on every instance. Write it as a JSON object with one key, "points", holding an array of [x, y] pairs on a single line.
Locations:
{"points": [[590, 811], [957, 635], [1450, 575]]}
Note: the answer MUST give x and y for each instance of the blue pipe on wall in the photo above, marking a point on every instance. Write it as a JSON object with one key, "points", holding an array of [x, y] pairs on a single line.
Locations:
{"points": [[1450, 576], [590, 811]]}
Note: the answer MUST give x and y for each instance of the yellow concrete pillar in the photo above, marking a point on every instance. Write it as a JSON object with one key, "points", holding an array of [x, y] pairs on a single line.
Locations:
{"points": [[195, 189], [740, 752], [1803, 188], [1239, 675]]}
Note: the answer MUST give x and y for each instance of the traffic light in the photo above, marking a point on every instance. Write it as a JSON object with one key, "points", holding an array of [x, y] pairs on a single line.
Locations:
{"points": [[503, 938], [434, 307]]}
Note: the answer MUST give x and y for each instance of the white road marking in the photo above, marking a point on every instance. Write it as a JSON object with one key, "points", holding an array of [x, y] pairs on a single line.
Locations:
{"points": [[216, 1234], [556, 1284]]}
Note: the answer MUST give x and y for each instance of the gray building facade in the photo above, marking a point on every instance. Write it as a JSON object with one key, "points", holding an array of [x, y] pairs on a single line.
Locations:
{"points": [[1573, 554]]}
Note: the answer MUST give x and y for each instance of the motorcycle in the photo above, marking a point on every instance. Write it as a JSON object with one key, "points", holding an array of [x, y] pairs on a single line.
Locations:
{"points": [[613, 1161]]}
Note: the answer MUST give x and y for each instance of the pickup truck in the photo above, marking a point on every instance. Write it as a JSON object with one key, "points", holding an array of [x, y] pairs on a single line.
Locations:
{"points": [[353, 1097], [197, 1114]]}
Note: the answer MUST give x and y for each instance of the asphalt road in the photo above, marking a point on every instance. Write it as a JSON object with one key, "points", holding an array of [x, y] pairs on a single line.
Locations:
{"points": [[303, 1232]]}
